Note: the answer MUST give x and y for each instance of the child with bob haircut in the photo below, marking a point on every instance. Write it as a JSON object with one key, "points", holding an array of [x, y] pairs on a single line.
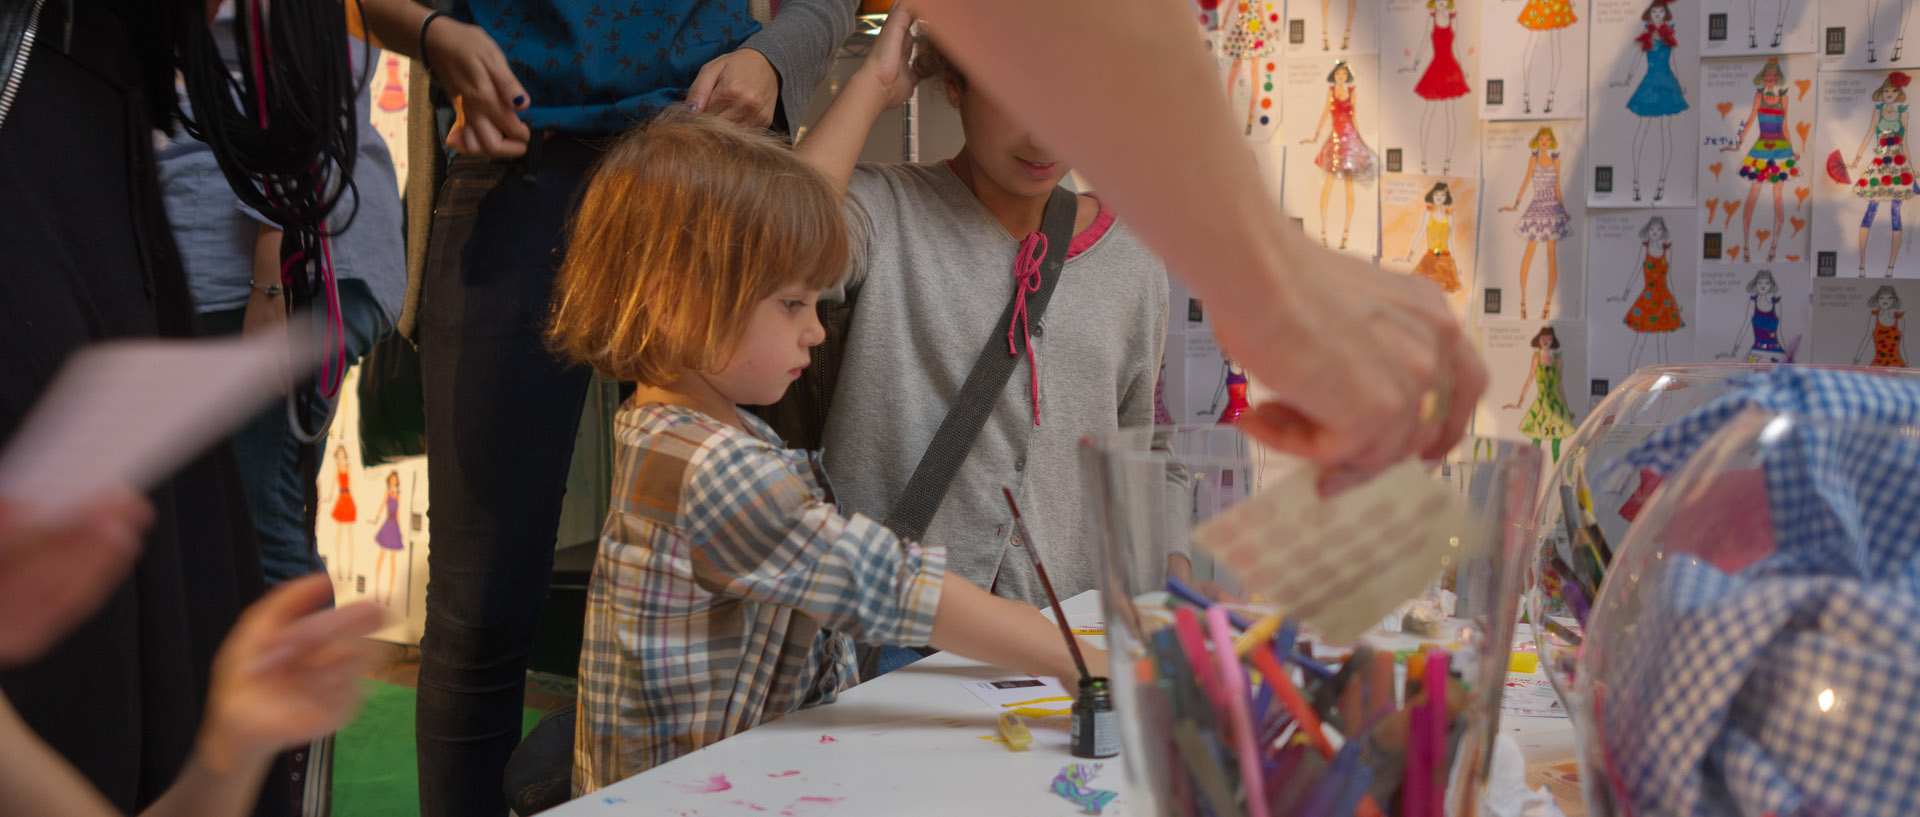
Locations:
{"points": [[728, 589]]}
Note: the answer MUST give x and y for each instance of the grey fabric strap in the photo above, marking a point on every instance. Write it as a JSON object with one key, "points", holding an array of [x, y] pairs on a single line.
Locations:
{"points": [[928, 487]]}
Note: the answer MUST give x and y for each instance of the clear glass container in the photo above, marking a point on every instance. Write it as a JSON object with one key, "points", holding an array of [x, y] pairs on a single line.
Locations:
{"points": [[1179, 754], [1751, 649]]}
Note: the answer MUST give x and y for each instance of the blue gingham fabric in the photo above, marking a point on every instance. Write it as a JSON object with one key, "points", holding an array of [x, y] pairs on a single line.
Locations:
{"points": [[1790, 687]]}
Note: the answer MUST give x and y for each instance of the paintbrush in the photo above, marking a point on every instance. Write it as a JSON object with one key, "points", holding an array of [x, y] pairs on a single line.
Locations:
{"points": [[1059, 616]]}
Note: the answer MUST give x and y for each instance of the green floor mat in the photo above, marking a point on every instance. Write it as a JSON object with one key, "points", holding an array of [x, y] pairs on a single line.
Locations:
{"points": [[373, 765]]}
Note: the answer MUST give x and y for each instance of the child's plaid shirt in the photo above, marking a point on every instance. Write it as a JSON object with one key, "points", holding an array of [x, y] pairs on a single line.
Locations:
{"points": [[727, 592]]}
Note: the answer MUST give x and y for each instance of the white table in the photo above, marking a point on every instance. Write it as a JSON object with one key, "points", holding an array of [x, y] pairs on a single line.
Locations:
{"points": [[912, 742]]}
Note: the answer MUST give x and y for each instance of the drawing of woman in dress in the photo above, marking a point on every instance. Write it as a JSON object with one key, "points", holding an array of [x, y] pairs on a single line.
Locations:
{"points": [[1889, 177], [1548, 418], [1247, 31], [1887, 330], [1659, 97], [1344, 155], [1763, 321], [1656, 312], [1545, 221], [389, 538], [1443, 85], [1541, 18], [1771, 161], [344, 513], [1437, 265]]}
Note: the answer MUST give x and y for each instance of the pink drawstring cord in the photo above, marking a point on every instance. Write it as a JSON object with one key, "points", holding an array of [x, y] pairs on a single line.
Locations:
{"points": [[1026, 278]]}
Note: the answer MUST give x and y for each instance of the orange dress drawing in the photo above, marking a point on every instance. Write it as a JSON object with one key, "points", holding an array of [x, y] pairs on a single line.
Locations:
{"points": [[1886, 341], [1546, 15], [1655, 310], [343, 508]]}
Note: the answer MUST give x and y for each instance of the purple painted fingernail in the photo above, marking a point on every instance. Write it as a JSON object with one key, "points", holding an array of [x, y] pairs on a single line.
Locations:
{"points": [[520, 100], [693, 107]]}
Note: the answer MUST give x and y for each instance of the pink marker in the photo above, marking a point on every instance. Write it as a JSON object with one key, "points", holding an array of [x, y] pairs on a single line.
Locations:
{"points": [[1233, 682]]}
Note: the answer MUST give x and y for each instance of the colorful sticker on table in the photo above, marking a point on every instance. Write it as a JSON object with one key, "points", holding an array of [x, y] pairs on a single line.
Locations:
{"points": [[1548, 417], [1344, 156], [1443, 85], [1545, 219], [1658, 99], [1770, 163], [1655, 315]]}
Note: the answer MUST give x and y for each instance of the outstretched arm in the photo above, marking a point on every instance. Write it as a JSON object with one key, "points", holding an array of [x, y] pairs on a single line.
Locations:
{"points": [[1125, 94], [883, 81]]}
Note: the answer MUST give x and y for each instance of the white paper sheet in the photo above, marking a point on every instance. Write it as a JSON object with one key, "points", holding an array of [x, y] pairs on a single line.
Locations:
{"points": [[1513, 385], [1319, 198], [1517, 281], [1845, 323], [1734, 28], [1646, 108], [127, 413], [1732, 295], [1410, 225], [1018, 690]]}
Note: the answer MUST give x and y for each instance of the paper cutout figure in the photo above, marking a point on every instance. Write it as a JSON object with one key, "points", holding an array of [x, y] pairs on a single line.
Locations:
{"points": [[393, 97], [1344, 155], [1771, 161], [1545, 220], [1444, 85], [1541, 18], [1889, 177], [1437, 264], [1763, 324], [1548, 418], [1248, 31], [388, 537], [1656, 312], [1659, 97], [1887, 330], [345, 513], [1875, 35]]}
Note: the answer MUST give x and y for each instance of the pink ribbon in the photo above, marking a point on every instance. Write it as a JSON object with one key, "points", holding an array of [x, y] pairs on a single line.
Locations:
{"points": [[1026, 278]]}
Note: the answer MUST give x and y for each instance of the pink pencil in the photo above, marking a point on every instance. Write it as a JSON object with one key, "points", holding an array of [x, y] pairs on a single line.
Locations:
{"points": [[1233, 680]]}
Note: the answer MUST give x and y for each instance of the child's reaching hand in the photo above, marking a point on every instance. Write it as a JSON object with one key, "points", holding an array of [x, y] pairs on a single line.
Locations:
{"points": [[287, 674], [890, 62]]}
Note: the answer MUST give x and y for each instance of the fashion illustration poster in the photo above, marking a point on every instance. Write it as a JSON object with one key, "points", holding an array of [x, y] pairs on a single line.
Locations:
{"points": [[1429, 225], [1645, 119], [372, 525], [1332, 166], [1867, 35], [1642, 288], [1430, 53], [1243, 36], [1864, 322], [1866, 178], [1754, 313], [1757, 169], [1536, 387], [1540, 70], [1735, 28], [1530, 257]]}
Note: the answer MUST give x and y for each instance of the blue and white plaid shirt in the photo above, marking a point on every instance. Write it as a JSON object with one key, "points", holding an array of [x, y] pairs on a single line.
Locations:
{"points": [[1789, 685]]}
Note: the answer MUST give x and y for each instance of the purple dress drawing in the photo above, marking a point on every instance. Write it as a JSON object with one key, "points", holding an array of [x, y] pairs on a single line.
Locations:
{"points": [[1545, 218], [389, 534]]}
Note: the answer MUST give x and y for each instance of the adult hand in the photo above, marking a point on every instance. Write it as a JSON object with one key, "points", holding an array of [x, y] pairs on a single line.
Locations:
{"points": [[52, 578], [889, 64], [288, 673], [1366, 367], [486, 96], [740, 87]]}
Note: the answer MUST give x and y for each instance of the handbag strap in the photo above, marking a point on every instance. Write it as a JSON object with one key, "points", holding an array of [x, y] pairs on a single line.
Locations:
{"points": [[951, 444]]}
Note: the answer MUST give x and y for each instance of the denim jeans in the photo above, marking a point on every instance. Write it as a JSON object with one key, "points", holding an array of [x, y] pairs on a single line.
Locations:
{"points": [[269, 454], [501, 415]]}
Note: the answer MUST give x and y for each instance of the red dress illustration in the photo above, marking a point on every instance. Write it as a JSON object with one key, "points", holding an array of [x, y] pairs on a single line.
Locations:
{"points": [[1444, 78], [1344, 153], [1656, 310], [1886, 341], [343, 508]]}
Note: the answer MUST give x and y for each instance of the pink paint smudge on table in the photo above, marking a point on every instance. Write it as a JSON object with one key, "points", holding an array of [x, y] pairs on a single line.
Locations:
{"points": [[716, 783], [754, 806], [829, 739], [789, 811], [787, 773]]}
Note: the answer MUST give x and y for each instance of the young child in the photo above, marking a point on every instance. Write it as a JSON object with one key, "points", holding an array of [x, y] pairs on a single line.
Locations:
{"points": [[936, 272], [728, 589]]}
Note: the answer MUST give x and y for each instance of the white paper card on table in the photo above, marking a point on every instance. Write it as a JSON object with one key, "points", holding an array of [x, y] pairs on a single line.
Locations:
{"points": [[1340, 564], [1019, 690], [127, 413]]}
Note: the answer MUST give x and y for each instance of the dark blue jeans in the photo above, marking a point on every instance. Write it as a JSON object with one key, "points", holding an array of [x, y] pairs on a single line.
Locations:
{"points": [[269, 454], [501, 415]]}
